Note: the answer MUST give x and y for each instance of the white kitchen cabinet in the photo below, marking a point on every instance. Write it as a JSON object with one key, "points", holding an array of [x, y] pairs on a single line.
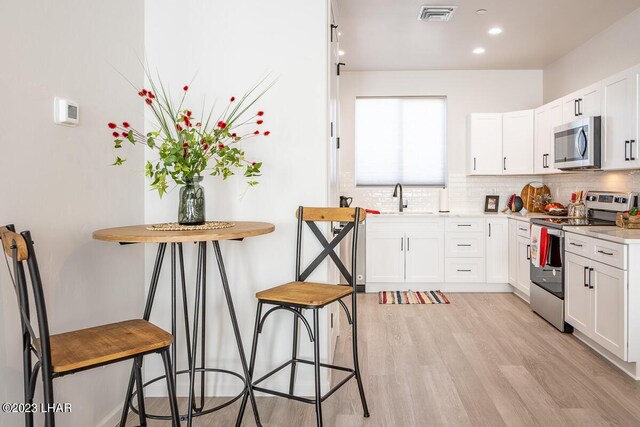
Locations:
{"points": [[596, 302], [619, 122], [497, 250], [385, 255], [582, 103], [547, 118], [519, 255], [484, 142], [424, 257], [524, 259], [513, 254], [517, 142]]}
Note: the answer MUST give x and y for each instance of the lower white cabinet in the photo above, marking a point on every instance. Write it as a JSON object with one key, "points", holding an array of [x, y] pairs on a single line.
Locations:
{"points": [[497, 250], [596, 302], [519, 255], [404, 251], [465, 270]]}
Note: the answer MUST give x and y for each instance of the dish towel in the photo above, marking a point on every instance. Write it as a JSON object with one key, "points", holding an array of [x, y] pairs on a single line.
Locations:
{"points": [[539, 245]]}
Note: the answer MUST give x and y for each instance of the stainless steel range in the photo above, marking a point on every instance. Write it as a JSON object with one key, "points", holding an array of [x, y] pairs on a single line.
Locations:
{"points": [[547, 282]]}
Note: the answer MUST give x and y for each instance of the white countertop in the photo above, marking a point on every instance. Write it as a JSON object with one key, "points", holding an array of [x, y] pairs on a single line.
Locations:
{"points": [[515, 215], [610, 233]]}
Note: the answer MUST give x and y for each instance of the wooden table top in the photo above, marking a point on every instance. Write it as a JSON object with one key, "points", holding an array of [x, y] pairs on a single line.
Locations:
{"points": [[140, 233]]}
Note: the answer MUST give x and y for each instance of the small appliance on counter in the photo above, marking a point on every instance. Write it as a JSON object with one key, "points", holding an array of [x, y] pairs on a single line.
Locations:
{"points": [[547, 251]]}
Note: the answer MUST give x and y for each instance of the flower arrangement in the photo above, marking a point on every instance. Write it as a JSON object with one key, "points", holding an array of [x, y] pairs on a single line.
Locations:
{"points": [[187, 147]]}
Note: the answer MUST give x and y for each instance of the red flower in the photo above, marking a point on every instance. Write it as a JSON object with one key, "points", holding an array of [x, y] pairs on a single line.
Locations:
{"points": [[184, 152], [125, 135], [260, 113], [187, 122], [144, 91], [220, 146], [186, 144], [257, 132], [188, 113], [222, 124], [198, 124], [186, 88], [115, 134], [141, 93], [260, 122], [267, 133], [205, 147], [150, 95], [126, 125], [253, 163], [233, 98], [178, 127], [148, 101], [234, 135], [112, 125]]}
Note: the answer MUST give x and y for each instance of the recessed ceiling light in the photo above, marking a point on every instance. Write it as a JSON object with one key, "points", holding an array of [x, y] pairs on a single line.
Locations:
{"points": [[481, 11], [478, 50], [495, 30], [341, 52]]}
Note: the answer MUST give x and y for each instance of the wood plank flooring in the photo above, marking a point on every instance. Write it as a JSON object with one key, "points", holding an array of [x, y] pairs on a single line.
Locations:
{"points": [[483, 360]]}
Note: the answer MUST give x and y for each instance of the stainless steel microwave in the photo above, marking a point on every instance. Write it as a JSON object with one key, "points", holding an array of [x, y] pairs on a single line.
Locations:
{"points": [[576, 145]]}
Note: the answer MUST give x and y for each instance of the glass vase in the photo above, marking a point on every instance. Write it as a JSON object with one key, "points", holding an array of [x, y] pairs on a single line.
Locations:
{"points": [[191, 208]]}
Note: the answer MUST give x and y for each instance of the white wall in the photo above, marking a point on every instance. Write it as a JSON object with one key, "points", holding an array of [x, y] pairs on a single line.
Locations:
{"points": [[466, 92], [610, 51], [230, 45], [58, 182]]}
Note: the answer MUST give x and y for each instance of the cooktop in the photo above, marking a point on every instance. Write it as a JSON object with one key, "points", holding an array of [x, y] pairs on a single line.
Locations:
{"points": [[561, 222]]}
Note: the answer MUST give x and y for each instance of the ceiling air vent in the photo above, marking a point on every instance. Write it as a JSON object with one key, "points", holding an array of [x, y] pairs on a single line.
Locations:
{"points": [[436, 13]]}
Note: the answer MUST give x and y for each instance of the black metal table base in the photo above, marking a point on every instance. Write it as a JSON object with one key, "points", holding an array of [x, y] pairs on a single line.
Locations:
{"points": [[195, 336]]}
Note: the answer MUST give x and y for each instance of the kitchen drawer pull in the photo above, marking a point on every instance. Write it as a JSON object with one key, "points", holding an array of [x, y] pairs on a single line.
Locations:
{"points": [[605, 253], [463, 244], [626, 147], [522, 229], [464, 225], [575, 244], [408, 243], [464, 271], [586, 283], [401, 244], [591, 286]]}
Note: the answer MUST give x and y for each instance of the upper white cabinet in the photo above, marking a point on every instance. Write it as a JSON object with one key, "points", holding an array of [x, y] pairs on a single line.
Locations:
{"points": [[582, 103], [484, 142], [546, 119], [620, 121], [517, 143]]}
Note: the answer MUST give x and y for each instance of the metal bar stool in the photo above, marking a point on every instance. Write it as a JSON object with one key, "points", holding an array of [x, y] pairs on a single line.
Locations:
{"points": [[296, 296], [70, 352]]}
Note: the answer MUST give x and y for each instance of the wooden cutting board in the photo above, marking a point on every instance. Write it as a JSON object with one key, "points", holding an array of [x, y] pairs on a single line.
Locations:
{"points": [[528, 194]]}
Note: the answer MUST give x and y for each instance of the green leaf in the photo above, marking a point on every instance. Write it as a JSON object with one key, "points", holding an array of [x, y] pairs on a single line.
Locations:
{"points": [[118, 161]]}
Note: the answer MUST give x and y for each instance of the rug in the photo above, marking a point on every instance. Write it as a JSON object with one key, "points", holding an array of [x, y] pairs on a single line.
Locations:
{"points": [[412, 297]]}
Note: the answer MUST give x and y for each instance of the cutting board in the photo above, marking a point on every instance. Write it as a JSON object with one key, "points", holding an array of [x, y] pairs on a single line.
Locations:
{"points": [[529, 193]]}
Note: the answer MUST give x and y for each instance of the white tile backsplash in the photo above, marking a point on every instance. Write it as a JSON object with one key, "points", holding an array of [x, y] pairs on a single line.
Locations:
{"points": [[467, 193]]}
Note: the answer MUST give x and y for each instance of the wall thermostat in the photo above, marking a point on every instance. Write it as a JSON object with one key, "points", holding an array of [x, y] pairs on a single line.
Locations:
{"points": [[65, 112]]}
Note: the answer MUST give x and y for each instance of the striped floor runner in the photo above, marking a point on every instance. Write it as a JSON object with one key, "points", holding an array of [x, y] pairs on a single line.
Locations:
{"points": [[412, 297]]}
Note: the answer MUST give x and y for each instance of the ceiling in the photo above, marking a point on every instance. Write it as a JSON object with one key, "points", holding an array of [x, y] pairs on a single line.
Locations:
{"points": [[386, 35]]}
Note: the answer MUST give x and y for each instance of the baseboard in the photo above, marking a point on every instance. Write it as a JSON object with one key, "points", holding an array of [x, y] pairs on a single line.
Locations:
{"points": [[113, 418], [517, 292], [444, 287], [629, 368]]}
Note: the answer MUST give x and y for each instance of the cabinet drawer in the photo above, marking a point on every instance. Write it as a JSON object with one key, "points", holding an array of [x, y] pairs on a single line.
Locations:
{"points": [[577, 244], [464, 270], [465, 225], [523, 228], [610, 253], [465, 246]]}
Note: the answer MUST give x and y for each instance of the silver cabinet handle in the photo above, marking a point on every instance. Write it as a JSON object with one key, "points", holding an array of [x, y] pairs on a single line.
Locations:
{"points": [[522, 229], [464, 271], [464, 225], [408, 243], [463, 245], [401, 244], [605, 253]]}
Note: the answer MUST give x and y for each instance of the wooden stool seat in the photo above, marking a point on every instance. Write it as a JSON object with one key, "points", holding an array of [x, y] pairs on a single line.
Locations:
{"points": [[304, 294], [89, 347]]}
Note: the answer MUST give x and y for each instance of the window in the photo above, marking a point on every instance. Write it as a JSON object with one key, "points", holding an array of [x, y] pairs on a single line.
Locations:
{"points": [[401, 140]]}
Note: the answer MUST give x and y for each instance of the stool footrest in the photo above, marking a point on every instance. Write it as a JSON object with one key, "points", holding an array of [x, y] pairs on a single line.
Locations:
{"points": [[335, 388]]}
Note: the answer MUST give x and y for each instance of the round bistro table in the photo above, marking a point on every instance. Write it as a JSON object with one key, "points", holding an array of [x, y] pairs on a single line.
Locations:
{"points": [[141, 234]]}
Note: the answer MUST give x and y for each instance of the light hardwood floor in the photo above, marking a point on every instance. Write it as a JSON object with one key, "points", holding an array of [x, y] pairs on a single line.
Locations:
{"points": [[483, 360]]}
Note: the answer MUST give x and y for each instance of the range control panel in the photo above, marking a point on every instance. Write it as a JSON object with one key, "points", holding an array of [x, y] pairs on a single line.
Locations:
{"points": [[611, 200]]}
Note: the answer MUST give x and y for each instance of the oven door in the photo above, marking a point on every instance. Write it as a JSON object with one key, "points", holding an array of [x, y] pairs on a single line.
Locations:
{"points": [[576, 144], [550, 277]]}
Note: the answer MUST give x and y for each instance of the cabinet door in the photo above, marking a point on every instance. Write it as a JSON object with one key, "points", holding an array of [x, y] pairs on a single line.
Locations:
{"points": [[634, 119], [570, 108], [497, 253], [485, 144], [541, 135], [517, 142], [424, 257], [555, 119], [609, 304], [513, 253], [589, 101], [385, 256], [577, 296], [524, 260], [617, 92]]}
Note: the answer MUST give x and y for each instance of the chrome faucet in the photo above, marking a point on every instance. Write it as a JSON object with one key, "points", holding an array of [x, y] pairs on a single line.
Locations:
{"points": [[401, 204]]}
